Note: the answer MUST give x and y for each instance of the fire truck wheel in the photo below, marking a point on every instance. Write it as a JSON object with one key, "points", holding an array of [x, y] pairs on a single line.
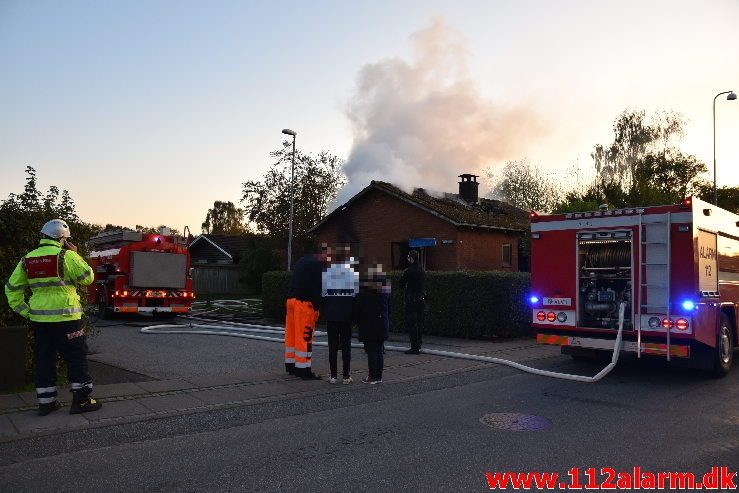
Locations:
{"points": [[578, 354], [104, 311], [724, 355], [164, 315]]}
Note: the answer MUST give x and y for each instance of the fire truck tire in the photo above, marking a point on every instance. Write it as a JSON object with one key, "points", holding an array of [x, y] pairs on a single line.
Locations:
{"points": [[724, 353], [104, 311], [164, 315], [585, 355], [578, 354]]}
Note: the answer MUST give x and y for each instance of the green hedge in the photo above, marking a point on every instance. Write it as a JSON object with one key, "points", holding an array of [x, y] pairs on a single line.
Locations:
{"points": [[466, 304], [274, 294]]}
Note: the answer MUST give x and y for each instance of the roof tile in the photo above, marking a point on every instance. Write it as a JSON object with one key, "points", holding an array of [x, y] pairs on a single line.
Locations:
{"points": [[487, 213]]}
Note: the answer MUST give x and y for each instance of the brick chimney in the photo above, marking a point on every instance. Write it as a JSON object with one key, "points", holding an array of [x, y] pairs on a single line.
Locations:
{"points": [[468, 188]]}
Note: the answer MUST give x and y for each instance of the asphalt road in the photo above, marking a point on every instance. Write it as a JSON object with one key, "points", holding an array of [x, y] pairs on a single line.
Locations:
{"points": [[423, 435], [165, 356]]}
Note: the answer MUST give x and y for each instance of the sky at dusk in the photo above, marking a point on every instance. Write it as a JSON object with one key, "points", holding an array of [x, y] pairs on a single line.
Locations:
{"points": [[148, 111]]}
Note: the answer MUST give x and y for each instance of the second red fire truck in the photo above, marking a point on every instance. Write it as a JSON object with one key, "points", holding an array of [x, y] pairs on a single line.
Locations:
{"points": [[140, 273], [675, 267]]}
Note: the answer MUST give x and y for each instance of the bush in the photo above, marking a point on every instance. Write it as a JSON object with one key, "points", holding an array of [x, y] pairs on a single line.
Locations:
{"points": [[465, 304], [470, 304], [258, 258], [274, 294], [21, 218]]}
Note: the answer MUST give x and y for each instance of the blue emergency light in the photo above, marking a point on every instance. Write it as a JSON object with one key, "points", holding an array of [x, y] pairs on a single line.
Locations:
{"points": [[688, 305]]}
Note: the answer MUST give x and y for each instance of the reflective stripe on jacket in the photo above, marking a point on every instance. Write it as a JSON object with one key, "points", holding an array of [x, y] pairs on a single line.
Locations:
{"points": [[53, 275]]}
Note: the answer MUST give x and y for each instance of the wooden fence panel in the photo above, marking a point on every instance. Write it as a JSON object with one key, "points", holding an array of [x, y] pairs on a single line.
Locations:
{"points": [[216, 279]]}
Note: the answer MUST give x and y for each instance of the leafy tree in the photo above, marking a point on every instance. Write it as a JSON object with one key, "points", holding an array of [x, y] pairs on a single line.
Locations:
{"points": [[224, 219], [317, 181], [643, 166], [667, 177], [21, 218], [632, 136], [524, 185], [728, 197], [574, 202]]}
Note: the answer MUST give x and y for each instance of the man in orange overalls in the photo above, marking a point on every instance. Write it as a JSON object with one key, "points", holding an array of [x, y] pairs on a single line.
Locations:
{"points": [[303, 300]]}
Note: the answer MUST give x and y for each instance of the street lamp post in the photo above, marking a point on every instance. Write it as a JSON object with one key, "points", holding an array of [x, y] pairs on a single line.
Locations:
{"points": [[731, 97], [287, 131]]}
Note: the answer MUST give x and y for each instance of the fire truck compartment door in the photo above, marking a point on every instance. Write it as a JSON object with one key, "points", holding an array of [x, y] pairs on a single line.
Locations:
{"points": [[158, 270], [707, 262]]}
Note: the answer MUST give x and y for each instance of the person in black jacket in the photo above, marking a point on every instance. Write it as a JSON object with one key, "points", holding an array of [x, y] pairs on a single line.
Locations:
{"points": [[303, 301], [412, 282], [340, 285], [372, 311]]}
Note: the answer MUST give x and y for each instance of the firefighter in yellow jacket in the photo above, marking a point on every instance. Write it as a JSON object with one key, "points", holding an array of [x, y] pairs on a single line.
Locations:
{"points": [[52, 272]]}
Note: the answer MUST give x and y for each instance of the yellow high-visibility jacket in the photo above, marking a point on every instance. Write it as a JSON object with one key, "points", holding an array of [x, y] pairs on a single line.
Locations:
{"points": [[53, 275]]}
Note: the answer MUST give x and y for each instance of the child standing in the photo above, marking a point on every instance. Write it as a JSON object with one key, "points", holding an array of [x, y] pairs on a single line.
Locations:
{"points": [[373, 317]]}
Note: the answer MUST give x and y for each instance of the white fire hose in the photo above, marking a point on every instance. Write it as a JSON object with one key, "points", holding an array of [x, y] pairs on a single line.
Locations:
{"points": [[250, 331]]}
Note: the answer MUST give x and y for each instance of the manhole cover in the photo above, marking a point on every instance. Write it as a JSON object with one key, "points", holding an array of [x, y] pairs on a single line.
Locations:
{"points": [[515, 422]]}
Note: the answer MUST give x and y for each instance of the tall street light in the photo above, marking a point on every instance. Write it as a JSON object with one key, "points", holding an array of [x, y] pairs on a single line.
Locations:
{"points": [[287, 131], [731, 97]]}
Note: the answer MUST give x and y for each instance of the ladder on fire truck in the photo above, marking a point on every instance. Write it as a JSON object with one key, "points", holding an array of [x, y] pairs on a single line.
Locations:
{"points": [[654, 271]]}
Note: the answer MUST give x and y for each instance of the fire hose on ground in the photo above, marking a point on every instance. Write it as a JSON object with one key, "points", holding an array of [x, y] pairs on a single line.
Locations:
{"points": [[252, 331]]}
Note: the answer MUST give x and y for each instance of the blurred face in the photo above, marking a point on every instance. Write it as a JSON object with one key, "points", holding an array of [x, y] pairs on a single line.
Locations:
{"points": [[325, 255], [340, 254]]}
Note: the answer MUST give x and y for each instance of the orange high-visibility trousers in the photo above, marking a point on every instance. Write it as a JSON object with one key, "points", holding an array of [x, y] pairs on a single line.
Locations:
{"points": [[290, 333], [300, 324]]}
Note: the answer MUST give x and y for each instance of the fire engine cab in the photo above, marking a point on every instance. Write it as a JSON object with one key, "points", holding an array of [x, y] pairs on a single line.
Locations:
{"points": [[140, 273], [675, 267]]}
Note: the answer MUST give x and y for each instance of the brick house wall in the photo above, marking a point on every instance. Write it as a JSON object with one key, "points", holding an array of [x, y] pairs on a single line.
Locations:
{"points": [[378, 219], [481, 249]]}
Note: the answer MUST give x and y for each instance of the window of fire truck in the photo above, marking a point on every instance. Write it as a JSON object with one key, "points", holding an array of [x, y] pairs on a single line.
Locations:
{"points": [[604, 263]]}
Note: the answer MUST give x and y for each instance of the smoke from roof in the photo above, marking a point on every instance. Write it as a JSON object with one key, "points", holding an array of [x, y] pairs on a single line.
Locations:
{"points": [[422, 123]]}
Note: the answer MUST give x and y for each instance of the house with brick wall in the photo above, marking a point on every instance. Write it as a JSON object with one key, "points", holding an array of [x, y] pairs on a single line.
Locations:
{"points": [[451, 231]]}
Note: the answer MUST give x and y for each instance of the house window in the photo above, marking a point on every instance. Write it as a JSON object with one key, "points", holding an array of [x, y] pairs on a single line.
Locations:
{"points": [[507, 255]]}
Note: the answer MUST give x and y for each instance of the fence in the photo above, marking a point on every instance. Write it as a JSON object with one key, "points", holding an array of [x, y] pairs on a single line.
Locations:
{"points": [[216, 279]]}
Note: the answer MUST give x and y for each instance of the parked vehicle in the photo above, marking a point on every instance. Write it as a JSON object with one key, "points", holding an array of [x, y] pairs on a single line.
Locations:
{"points": [[140, 272], [675, 267]]}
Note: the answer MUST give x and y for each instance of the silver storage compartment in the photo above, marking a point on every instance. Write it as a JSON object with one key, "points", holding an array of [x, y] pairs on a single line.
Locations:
{"points": [[158, 270]]}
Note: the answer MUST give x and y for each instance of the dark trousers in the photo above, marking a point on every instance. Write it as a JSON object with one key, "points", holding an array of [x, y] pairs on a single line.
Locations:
{"points": [[339, 335], [68, 339], [414, 306], [375, 358]]}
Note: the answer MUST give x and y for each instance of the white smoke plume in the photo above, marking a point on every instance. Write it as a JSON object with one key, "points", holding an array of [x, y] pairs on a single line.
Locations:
{"points": [[424, 122]]}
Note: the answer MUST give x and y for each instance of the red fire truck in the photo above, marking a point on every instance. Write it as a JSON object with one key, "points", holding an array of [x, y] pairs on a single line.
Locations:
{"points": [[139, 272], [676, 268]]}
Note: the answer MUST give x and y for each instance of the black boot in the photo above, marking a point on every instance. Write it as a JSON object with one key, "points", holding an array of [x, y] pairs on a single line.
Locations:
{"points": [[82, 402], [306, 374], [44, 409], [290, 368]]}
